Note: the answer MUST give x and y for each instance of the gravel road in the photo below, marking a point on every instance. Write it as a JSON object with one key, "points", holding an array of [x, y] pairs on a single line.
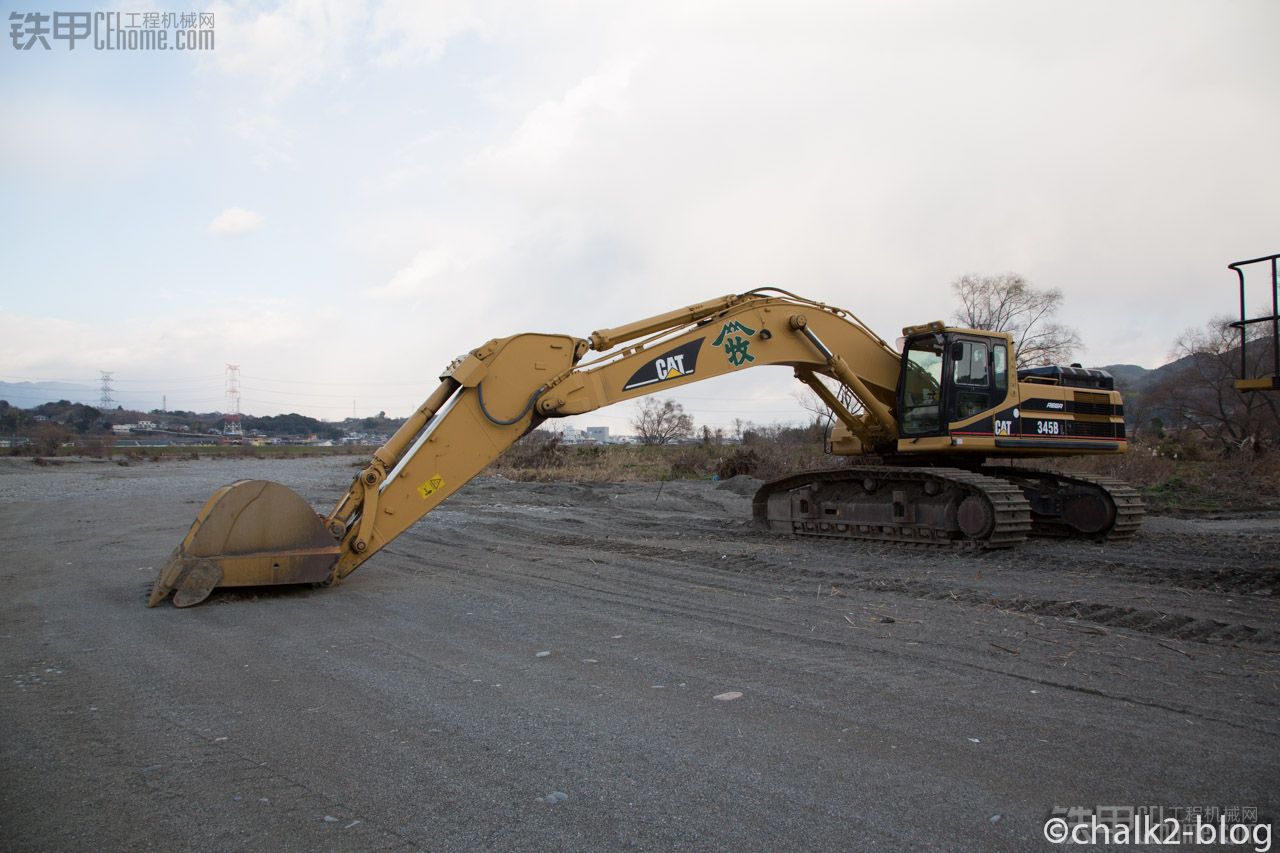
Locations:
{"points": [[565, 666]]}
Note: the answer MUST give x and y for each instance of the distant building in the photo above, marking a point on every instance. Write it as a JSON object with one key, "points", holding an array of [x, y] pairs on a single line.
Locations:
{"points": [[590, 435], [140, 426]]}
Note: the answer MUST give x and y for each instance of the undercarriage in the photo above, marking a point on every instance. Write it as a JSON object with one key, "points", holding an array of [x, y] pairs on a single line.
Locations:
{"points": [[983, 507]]}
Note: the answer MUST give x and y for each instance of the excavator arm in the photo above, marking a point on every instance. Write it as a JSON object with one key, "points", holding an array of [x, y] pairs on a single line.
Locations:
{"points": [[255, 533]]}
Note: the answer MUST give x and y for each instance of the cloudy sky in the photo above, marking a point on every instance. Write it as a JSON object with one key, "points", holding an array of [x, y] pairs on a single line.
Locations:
{"points": [[342, 196]]}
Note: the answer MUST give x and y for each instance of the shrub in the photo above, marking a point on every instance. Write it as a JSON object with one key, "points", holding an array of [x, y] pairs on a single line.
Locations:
{"points": [[741, 461], [691, 462]]}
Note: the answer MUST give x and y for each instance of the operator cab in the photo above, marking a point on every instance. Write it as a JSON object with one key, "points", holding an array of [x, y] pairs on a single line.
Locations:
{"points": [[949, 375]]}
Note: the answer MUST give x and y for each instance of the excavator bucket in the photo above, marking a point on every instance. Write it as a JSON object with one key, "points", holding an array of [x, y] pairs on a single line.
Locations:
{"points": [[251, 533]]}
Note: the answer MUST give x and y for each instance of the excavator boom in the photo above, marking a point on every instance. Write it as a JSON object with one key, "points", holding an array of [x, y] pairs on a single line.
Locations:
{"points": [[254, 533]]}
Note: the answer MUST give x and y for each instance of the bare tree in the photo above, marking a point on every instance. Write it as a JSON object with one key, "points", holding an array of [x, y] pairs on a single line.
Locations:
{"points": [[1008, 303], [661, 421], [1202, 396], [712, 437], [47, 437], [821, 415], [814, 405], [1140, 408]]}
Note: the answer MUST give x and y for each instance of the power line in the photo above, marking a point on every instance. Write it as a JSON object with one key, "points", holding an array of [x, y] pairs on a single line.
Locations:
{"points": [[185, 380], [334, 384], [293, 394], [86, 381]]}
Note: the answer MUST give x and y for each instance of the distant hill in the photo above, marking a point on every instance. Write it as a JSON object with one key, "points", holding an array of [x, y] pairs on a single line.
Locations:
{"points": [[75, 406], [1128, 375], [27, 395], [1135, 379], [1134, 382], [1177, 379]]}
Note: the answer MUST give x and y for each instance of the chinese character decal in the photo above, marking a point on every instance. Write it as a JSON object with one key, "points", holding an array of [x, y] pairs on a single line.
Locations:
{"points": [[736, 347]]}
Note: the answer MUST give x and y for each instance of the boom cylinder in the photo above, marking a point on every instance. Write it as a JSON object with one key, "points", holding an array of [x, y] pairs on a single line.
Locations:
{"points": [[386, 456], [389, 454], [605, 339]]}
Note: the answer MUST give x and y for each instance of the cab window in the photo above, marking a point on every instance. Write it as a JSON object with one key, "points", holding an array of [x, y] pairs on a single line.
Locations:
{"points": [[970, 367], [922, 386], [1000, 370], [972, 393]]}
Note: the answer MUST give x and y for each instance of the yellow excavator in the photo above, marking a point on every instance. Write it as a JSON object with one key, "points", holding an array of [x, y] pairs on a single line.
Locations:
{"points": [[925, 426]]}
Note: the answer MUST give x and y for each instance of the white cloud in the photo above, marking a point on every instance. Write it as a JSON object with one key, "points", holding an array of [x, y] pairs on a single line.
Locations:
{"points": [[235, 221], [414, 33], [298, 41], [449, 277], [418, 277], [548, 133], [302, 42]]}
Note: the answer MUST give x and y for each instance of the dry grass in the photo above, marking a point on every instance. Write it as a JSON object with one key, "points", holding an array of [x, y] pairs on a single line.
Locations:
{"points": [[1238, 483], [548, 461]]}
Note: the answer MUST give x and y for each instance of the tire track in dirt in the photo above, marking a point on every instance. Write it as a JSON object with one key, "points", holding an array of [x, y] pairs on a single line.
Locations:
{"points": [[651, 579], [1155, 622]]}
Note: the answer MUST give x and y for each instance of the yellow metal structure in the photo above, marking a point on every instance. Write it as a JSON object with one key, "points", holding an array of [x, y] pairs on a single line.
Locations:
{"points": [[254, 533]]}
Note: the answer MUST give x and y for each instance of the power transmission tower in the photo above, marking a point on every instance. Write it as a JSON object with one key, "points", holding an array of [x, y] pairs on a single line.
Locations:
{"points": [[106, 401], [231, 421]]}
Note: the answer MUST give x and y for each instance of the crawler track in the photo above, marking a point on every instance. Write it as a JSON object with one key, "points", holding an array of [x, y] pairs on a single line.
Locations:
{"points": [[1113, 510], [919, 506]]}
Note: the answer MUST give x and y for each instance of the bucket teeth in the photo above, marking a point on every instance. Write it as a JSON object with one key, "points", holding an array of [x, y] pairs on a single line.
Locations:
{"points": [[190, 581]]}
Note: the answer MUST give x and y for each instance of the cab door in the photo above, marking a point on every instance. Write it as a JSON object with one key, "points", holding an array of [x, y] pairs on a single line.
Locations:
{"points": [[977, 384], [922, 404], [969, 378], [950, 379]]}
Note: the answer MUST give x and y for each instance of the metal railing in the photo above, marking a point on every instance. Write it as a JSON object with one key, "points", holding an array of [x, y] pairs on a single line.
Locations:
{"points": [[1245, 382]]}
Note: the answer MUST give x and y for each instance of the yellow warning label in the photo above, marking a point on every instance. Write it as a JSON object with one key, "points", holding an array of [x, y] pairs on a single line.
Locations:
{"points": [[428, 488]]}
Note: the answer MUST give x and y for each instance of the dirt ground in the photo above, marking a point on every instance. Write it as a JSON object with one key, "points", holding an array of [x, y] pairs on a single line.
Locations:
{"points": [[537, 666]]}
